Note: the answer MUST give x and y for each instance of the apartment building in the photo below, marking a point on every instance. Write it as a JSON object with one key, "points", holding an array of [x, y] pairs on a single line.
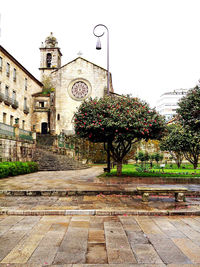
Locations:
{"points": [[16, 88], [168, 103]]}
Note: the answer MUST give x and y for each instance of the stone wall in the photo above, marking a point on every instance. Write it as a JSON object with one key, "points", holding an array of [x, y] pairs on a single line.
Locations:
{"points": [[16, 144], [15, 150]]}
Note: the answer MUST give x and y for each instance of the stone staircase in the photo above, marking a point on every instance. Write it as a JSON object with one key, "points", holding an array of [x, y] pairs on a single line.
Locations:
{"points": [[49, 161]]}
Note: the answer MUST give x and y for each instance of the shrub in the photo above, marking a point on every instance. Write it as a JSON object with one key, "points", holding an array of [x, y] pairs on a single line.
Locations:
{"points": [[16, 168]]}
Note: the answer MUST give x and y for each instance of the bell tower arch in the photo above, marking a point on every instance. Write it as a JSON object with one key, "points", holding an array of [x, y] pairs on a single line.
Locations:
{"points": [[50, 56]]}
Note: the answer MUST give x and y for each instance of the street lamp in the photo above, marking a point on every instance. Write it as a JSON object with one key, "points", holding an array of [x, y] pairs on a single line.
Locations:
{"points": [[98, 47]]}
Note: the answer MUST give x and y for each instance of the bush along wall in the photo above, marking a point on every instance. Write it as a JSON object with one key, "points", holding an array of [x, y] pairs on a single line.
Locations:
{"points": [[16, 168]]}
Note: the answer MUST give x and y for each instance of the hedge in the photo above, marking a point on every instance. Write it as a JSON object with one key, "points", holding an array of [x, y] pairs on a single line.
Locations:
{"points": [[16, 168]]}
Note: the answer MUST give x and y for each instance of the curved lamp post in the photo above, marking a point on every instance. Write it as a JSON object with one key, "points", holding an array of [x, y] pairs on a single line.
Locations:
{"points": [[98, 47]]}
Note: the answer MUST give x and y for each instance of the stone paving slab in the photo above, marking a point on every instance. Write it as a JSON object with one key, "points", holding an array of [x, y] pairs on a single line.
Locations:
{"points": [[98, 241], [97, 205], [86, 180]]}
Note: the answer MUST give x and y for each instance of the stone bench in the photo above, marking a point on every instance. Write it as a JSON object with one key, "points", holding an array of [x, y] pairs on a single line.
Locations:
{"points": [[178, 191]]}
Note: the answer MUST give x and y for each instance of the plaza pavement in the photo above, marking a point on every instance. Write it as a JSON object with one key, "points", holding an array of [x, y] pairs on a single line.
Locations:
{"points": [[105, 233], [115, 241], [83, 192]]}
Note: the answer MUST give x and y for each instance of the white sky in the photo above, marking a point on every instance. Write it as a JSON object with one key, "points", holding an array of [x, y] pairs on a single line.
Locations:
{"points": [[154, 44]]}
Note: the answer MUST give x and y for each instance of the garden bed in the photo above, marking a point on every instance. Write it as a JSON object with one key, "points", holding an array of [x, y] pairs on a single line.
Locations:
{"points": [[130, 170]]}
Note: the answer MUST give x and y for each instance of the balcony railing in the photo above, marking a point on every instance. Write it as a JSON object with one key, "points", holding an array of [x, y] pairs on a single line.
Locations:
{"points": [[11, 132], [7, 100], [15, 103], [7, 130], [1, 97], [23, 134], [26, 110]]}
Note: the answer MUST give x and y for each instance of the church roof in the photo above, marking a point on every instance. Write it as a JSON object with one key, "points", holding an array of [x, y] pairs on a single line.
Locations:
{"points": [[81, 59], [87, 62]]}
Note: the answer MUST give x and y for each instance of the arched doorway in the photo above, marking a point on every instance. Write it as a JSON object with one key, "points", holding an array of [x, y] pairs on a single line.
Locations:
{"points": [[44, 127]]}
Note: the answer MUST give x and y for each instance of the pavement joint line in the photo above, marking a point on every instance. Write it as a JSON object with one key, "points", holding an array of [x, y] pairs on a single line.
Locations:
{"points": [[94, 212]]}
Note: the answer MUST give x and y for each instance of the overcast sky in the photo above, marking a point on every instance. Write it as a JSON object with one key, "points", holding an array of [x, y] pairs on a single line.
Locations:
{"points": [[154, 44]]}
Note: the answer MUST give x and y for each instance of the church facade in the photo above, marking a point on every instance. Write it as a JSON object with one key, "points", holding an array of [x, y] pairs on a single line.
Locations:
{"points": [[72, 83]]}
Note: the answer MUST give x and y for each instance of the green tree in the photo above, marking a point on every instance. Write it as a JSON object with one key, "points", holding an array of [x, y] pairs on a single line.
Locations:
{"points": [[118, 122], [191, 149], [189, 110], [151, 158], [141, 157], [157, 157], [173, 142], [146, 157], [189, 117], [136, 159]]}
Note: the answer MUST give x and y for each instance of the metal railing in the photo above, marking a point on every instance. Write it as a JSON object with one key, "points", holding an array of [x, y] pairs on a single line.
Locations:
{"points": [[7, 130], [27, 135]]}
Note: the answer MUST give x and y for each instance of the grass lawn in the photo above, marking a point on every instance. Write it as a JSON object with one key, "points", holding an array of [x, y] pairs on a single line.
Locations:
{"points": [[156, 171]]}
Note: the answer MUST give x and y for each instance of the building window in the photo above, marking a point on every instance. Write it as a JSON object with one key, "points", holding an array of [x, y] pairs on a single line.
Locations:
{"points": [[11, 120], [23, 124], [1, 63], [49, 57], [26, 84], [13, 96], [4, 118], [8, 69], [25, 102], [14, 75], [58, 117], [41, 104], [6, 91]]}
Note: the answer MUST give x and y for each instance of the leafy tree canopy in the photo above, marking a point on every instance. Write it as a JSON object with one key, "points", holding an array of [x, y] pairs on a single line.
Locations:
{"points": [[189, 109], [119, 122], [182, 142], [174, 142], [109, 118]]}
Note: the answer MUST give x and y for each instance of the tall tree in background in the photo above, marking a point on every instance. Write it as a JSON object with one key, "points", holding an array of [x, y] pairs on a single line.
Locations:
{"points": [[189, 117], [174, 143], [119, 122], [189, 110]]}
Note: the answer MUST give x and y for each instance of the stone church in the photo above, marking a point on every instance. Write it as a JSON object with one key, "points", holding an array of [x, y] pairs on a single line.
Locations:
{"points": [[72, 83]]}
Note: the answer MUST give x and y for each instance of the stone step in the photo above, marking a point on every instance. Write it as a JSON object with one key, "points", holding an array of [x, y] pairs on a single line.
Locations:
{"points": [[48, 161]]}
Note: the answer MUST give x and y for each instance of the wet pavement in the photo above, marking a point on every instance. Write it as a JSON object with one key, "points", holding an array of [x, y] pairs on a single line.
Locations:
{"points": [[80, 180], [96, 238], [115, 241]]}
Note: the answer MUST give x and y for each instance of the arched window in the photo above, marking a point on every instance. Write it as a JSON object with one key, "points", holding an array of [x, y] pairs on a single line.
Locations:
{"points": [[49, 57]]}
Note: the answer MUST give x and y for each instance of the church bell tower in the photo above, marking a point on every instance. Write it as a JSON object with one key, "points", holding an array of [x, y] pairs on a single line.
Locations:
{"points": [[50, 56]]}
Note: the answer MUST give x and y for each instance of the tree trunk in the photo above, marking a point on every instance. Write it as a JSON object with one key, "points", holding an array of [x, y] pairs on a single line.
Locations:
{"points": [[119, 168], [178, 164], [195, 164], [108, 158]]}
